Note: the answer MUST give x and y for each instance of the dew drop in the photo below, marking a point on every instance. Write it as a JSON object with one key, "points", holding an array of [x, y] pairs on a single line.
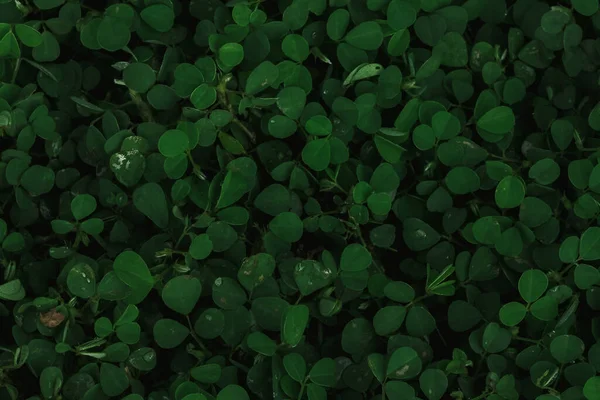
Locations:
{"points": [[149, 356]]}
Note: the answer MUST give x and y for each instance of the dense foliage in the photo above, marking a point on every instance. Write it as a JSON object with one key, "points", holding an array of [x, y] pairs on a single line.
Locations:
{"points": [[299, 199]]}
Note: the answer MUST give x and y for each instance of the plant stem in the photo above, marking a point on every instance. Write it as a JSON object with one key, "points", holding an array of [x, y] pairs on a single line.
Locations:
{"points": [[302, 390], [251, 135], [504, 158], [16, 71], [481, 396], [196, 338], [522, 339]]}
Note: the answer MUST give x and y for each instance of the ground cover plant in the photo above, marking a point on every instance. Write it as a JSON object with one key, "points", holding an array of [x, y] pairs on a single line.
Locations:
{"points": [[299, 199]]}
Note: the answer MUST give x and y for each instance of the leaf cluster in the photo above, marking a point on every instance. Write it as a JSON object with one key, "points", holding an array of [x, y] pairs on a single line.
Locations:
{"points": [[299, 199]]}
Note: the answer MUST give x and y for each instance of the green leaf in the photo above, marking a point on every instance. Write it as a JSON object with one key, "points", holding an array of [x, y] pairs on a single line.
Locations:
{"points": [[82, 206], [12, 290], [419, 322], [294, 323], [337, 23], [566, 348], [291, 101], [511, 314], [510, 192], [545, 171], [545, 308], [255, 269], [322, 372], [182, 293], [589, 244], [462, 316], [534, 212], [28, 35], [287, 226], [159, 17], [591, 389], [38, 180], [228, 294], [462, 180], [210, 323], [311, 275], [112, 35], [357, 336], [487, 230], [201, 247], [389, 319], [81, 281], [151, 201], [9, 47], [499, 121], [315, 392], [113, 379], [418, 235], [586, 276], [401, 14], [273, 200], [48, 4], [261, 77], [452, 50], [532, 285], [586, 8], [173, 143], [400, 292], [377, 365], [366, 36], [295, 47], [128, 166], [319, 125], [424, 137], [261, 343], [240, 178], [139, 77], [233, 392], [317, 154], [133, 271], [208, 373], [169, 333], [404, 363], [51, 381], [231, 54], [363, 71], [495, 338], [433, 383], [203, 96], [355, 257], [295, 366]]}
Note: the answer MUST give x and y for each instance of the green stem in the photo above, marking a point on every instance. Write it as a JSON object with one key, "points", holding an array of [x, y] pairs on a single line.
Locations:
{"points": [[480, 364], [523, 339], [185, 231], [481, 396], [302, 388], [239, 365], [504, 158], [559, 374], [143, 108], [567, 268], [197, 170], [251, 135], [16, 71], [196, 338], [418, 299]]}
